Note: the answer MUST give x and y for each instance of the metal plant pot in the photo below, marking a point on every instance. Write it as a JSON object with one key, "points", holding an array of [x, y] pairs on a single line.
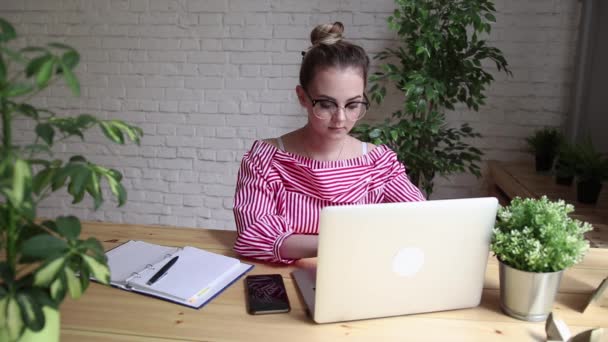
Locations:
{"points": [[527, 296]]}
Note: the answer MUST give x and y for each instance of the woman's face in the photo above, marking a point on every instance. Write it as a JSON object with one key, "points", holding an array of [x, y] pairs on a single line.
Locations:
{"points": [[342, 86]]}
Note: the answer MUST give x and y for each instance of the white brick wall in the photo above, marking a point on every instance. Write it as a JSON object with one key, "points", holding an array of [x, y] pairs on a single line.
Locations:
{"points": [[204, 78]]}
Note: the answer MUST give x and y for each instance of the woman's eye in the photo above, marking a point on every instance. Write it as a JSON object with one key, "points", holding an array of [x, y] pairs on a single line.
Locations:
{"points": [[353, 105], [327, 105]]}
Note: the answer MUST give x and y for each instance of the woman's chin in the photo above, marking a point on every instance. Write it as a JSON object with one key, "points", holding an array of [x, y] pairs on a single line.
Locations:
{"points": [[337, 130]]}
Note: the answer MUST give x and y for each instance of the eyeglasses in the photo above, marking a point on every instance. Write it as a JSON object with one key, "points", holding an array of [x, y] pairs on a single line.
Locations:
{"points": [[325, 109]]}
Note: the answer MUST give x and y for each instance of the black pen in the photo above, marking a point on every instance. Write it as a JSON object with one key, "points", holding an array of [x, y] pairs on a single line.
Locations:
{"points": [[162, 271]]}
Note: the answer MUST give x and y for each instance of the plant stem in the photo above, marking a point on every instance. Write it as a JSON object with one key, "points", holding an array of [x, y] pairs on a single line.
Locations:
{"points": [[11, 239], [11, 229], [6, 127]]}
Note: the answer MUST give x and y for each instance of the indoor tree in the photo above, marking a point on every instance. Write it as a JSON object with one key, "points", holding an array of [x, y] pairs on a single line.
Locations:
{"points": [[437, 65], [42, 261]]}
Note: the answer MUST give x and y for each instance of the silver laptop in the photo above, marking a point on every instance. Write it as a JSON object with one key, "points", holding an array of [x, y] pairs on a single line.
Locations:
{"points": [[393, 259]]}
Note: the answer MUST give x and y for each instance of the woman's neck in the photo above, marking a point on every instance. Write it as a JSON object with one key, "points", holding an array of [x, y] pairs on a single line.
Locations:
{"points": [[320, 147]]}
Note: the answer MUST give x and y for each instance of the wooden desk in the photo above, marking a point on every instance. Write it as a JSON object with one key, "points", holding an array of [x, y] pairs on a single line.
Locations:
{"points": [[510, 179], [109, 314]]}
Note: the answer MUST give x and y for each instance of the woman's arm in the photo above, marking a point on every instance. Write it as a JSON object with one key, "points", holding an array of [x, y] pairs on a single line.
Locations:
{"points": [[261, 229], [399, 188], [298, 246]]}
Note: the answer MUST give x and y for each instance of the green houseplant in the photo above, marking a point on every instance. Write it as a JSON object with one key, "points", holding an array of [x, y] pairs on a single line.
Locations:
{"points": [[534, 240], [43, 261], [544, 143], [437, 66], [565, 166], [591, 171]]}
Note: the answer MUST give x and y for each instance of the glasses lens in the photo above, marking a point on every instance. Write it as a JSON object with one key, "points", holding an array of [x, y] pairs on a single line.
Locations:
{"points": [[360, 113], [325, 109], [355, 110]]}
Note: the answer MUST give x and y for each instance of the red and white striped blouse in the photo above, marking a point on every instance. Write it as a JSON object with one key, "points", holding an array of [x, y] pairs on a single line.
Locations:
{"points": [[279, 193]]}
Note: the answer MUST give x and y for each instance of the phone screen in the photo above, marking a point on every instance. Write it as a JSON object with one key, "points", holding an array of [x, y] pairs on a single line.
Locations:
{"points": [[266, 294]]}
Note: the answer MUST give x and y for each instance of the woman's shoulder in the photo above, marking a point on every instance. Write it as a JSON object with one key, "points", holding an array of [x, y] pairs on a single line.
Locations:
{"points": [[271, 141], [260, 155], [382, 156], [366, 146]]}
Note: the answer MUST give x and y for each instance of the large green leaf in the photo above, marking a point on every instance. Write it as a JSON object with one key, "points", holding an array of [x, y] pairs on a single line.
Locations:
{"points": [[28, 110], [99, 271], [94, 245], [134, 133], [43, 246], [74, 284], [85, 276], [31, 311], [70, 79], [33, 67], [112, 132], [13, 322], [68, 226], [42, 179], [21, 179], [46, 132], [44, 74], [94, 190], [7, 31], [70, 59], [16, 89], [117, 190], [79, 181], [48, 272], [85, 120], [59, 287]]}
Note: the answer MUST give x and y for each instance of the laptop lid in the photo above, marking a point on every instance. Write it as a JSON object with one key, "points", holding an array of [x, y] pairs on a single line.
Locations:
{"points": [[392, 259]]}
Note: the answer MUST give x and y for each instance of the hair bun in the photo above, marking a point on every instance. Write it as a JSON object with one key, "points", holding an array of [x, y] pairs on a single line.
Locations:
{"points": [[327, 34]]}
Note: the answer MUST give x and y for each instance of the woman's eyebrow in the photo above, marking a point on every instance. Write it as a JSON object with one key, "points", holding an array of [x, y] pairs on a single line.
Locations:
{"points": [[333, 99]]}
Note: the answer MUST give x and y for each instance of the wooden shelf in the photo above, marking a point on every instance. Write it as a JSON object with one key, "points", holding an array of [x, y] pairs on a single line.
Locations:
{"points": [[510, 179]]}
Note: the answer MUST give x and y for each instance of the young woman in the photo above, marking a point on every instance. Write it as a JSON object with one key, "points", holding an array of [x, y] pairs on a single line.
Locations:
{"points": [[283, 183]]}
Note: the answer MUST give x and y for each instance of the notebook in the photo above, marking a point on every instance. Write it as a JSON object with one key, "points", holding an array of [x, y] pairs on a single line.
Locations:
{"points": [[196, 277], [392, 259]]}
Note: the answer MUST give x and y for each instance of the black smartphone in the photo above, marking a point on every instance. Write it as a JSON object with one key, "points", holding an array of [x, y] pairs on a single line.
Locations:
{"points": [[266, 294]]}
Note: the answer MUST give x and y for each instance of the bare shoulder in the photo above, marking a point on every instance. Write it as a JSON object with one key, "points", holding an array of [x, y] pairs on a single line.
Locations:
{"points": [[272, 141], [370, 146]]}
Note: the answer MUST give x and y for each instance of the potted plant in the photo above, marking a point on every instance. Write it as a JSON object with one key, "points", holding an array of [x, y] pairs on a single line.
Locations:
{"points": [[591, 170], [544, 143], [565, 166], [534, 241], [440, 63], [43, 260]]}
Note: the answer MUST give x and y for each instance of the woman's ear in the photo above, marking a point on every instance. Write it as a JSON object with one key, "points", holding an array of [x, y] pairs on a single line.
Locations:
{"points": [[301, 95]]}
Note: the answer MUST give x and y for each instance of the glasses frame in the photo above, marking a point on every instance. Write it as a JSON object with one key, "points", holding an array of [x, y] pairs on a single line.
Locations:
{"points": [[315, 101]]}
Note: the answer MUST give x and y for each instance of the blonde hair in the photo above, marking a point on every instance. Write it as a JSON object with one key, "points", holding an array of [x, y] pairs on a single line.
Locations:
{"points": [[327, 34]]}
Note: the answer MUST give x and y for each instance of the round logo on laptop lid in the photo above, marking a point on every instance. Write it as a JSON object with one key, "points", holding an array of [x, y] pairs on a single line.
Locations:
{"points": [[408, 261]]}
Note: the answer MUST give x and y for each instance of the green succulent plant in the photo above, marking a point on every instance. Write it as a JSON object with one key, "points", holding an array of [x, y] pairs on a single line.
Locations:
{"points": [[537, 235]]}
